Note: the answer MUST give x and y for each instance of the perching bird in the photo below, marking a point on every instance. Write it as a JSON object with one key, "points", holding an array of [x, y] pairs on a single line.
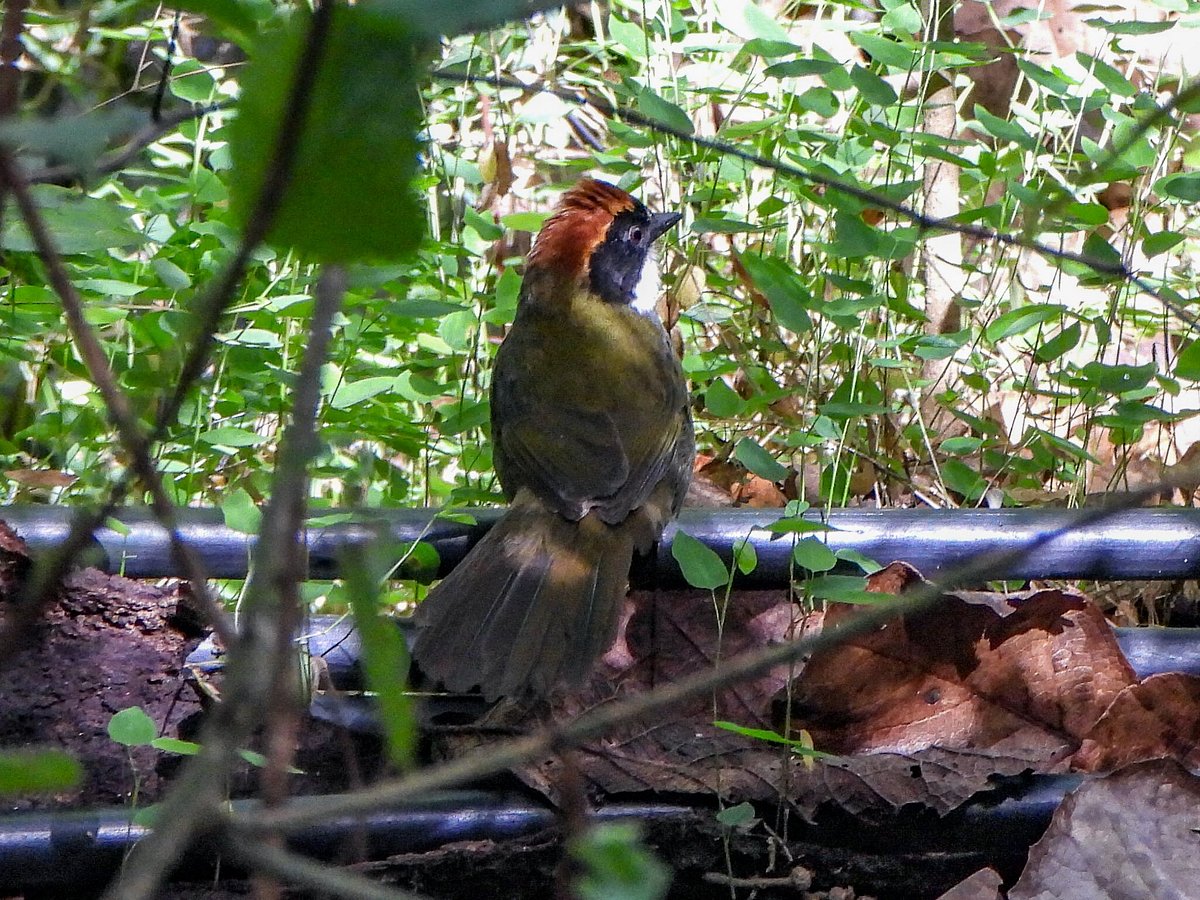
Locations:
{"points": [[593, 447]]}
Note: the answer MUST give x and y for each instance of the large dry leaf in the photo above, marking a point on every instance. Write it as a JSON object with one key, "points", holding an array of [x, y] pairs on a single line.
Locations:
{"points": [[1024, 676], [874, 786], [983, 885], [928, 709], [1131, 834], [1159, 717]]}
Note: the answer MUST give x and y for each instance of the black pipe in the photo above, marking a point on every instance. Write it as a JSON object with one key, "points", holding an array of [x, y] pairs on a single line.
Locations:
{"points": [[1159, 543], [79, 850]]}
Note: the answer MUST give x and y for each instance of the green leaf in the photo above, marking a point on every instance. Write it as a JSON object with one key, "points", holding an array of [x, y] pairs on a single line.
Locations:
{"points": [[786, 294], [1113, 81], [1063, 342], [903, 17], [721, 400], [524, 221], [1131, 27], [752, 455], [77, 223], [352, 393], [845, 589], [888, 52], [801, 67], [700, 565], [705, 225], [349, 195], [865, 563], [385, 660], [872, 88], [176, 746], [629, 36], [1051, 81], [1187, 363], [1005, 130], [1020, 320], [745, 557], [764, 734], [240, 512], [819, 100], [170, 274], [958, 446], [797, 525], [1182, 186], [749, 21], [132, 727], [1160, 242], [741, 814], [37, 772], [962, 479], [1101, 255], [229, 436], [663, 111], [616, 865], [812, 554]]}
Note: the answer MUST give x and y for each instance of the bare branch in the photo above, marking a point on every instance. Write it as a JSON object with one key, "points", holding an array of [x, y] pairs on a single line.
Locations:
{"points": [[129, 429], [303, 872]]}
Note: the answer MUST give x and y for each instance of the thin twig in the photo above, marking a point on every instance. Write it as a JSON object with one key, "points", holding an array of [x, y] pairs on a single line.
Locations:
{"points": [[10, 75], [312, 876], [121, 157], [129, 429]]}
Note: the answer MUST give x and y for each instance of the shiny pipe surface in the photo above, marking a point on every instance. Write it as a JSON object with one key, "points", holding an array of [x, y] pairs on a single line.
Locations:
{"points": [[1143, 543]]}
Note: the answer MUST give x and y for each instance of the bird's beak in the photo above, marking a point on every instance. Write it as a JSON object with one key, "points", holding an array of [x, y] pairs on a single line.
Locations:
{"points": [[660, 222]]}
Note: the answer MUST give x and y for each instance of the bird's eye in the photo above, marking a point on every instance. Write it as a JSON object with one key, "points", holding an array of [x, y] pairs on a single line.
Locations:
{"points": [[635, 234]]}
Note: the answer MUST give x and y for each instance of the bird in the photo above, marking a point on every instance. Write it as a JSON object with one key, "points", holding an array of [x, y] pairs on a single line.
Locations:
{"points": [[593, 447]]}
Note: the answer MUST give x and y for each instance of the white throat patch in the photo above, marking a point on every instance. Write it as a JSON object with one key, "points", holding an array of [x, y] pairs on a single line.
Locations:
{"points": [[649, 286]]}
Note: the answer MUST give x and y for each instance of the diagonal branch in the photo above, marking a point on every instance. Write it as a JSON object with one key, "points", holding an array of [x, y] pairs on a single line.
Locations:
{"points": [[312, 876], [129, 429], [122, 156]]}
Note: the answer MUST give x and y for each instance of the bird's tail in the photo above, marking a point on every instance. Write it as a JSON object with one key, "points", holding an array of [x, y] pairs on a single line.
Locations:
{"points": [[534, 604]]}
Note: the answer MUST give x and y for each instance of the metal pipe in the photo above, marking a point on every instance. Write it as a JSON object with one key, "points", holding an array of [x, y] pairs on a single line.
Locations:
{"points": [[1161, 543], [44, 851]]}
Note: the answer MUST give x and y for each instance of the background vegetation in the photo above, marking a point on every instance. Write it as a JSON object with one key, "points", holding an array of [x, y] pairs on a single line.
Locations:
{"points": [[800, 307], [924, 260]]}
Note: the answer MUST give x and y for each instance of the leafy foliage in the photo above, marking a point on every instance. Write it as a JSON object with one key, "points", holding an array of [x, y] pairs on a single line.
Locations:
{"points": [[801, 316]]}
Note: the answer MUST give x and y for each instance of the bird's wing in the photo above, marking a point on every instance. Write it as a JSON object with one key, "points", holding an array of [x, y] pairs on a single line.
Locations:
{"points": [[569, 459]]}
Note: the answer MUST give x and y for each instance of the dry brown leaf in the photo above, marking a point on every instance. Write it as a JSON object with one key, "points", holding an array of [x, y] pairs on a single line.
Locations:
{"points": [[983, 885], [1159, 717], [41, 478], [875, 786], [1130, 834], [1025, 675], [742, 487]]}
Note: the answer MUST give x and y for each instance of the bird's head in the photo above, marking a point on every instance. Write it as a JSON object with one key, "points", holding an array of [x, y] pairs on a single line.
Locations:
{"points": [[601, 238]]}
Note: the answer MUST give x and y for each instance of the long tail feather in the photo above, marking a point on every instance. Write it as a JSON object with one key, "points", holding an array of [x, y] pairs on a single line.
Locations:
{"points": [[534, 604]]}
